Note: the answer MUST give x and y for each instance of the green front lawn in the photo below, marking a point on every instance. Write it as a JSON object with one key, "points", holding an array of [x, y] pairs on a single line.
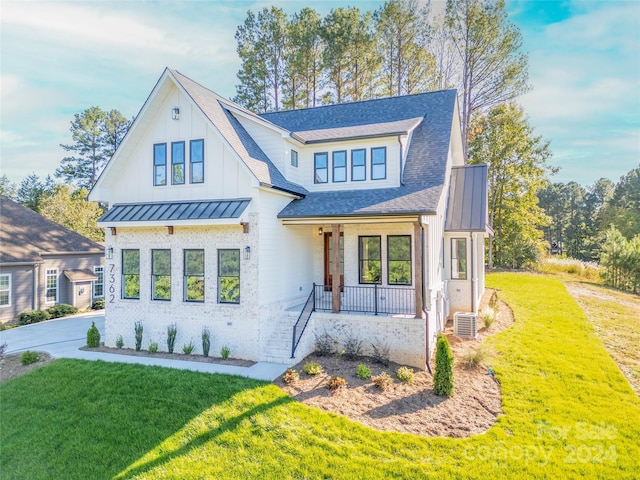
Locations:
{"points": [[569, 413]]}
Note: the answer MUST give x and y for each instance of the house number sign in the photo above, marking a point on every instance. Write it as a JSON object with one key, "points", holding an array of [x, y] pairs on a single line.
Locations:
{"points": [[112, 281]]}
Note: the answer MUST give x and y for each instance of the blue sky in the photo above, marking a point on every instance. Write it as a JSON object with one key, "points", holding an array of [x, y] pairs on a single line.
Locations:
{"points": [[59, 58]]}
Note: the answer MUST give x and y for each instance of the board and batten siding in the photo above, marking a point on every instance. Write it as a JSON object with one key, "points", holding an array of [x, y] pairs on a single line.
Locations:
{"points": [[269, 140]]}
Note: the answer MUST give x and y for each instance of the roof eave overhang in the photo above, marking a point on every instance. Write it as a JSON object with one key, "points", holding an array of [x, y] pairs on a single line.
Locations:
{"points": [[350, 138], [22, 263], [404, 217], [79, 252], [173, 223]]}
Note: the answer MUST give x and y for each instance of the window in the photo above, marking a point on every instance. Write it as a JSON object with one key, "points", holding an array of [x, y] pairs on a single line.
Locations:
{"points": [[340, 166], [160, 164], [378, 163], [196, 156], [194, 275], [229, 276], [131, 274], [369, 258], [358, 165], [51, 294], [321, 168], [294, 158], [5, 290], [459, 258], [399, 260], [98, 285], [161, 274], [177, 163]]}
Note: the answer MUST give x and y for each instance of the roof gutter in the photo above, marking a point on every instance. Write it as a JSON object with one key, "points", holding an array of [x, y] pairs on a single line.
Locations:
{"points": [[354, 137]]}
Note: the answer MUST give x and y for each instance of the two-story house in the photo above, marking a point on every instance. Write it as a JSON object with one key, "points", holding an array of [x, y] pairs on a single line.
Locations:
{"points": [[356, 219]]}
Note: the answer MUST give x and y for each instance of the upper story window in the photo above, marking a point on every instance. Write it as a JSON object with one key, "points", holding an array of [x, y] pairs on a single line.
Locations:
{"points": [[378, 163], [51, 294], [358, 165], [321, 167], [160, 164], [177, 163], [340, 166], [294, 158], [131, 274], [161, 274], [196, 156], [5, 290]]}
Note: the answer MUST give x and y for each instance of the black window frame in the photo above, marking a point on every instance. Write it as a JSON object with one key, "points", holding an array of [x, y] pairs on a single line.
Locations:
{"points": [[457, 259], [156, 165], [221, 277], [374, 149], [325, 168], [294, 158], [342, 167], [174, 164], [354, 166], [409, 260], [187, 275], [192, 163], [362, 260], [123, 286], [156, 276]]}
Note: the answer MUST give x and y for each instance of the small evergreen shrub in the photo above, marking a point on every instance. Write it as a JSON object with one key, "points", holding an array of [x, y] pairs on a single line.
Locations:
{"points": [[405, 374], [363, 372], [206, 341], [336, 383], [382, 381], [172, 331], [352, 347], [290, 376], [138, 329], [313, 368], [93, 336], [61, 310], [225, 352], [188, 348], [119, 342], [29, 357], [443, 375], [98, 304], [381, 353], [153, 347], [32, 316], [325, 345]]}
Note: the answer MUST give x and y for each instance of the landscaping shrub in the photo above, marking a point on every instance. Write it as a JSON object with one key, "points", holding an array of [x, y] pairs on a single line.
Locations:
{"points": [[313, 368], [475, 357], [225, 352], [363, 372], [98, 304], [325, 345], [382, 381], [381, 353], [138, 329], [488, 315], [153, 347], [188, 348], [352, 347], [172, 331], [290, 376], [443, 375], [119, 341], [206, 341], [405, 374], [336, 383], [61, 310], [29, 357], [93, 336], [3, 348], [32, 316]]}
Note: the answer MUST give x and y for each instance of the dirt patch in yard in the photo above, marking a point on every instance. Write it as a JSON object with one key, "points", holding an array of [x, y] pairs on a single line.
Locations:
{"points": [[11, 367], [409, 407]]}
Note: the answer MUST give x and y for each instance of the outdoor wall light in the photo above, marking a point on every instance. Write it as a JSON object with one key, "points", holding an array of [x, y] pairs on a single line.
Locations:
{"points": [[109, 253], [175, 113], [247, 252], [320, 231]]}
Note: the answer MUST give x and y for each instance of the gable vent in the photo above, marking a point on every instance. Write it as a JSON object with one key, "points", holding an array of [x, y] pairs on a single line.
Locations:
{"points": [[465, 325]]}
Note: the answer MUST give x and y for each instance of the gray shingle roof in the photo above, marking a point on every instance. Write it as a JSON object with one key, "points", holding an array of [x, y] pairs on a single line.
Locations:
{"points": [[467, 207], [358, 131], [25, 234], [169, 211], [216, 109], [426, 162]]}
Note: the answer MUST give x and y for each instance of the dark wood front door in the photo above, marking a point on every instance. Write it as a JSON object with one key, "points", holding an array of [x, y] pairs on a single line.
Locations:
{"points": [[328, 264]]}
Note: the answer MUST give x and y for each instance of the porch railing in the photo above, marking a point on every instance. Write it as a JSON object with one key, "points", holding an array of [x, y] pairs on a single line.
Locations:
{"points": [[303, 321], [368, 299]]}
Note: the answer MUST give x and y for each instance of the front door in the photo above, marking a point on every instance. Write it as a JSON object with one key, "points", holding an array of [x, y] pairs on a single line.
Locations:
{"points": [[328, 263]]}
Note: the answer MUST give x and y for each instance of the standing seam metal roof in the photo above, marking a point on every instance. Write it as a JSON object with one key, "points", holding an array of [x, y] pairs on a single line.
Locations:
{"points": [[200, 210], [467, 207]]}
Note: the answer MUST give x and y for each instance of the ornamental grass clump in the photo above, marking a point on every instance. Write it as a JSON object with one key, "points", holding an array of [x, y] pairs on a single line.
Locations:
{"points": [[93, 336], [206, 341], [153, 347], [172, 331], [138, 329], [225, 352], [443, 375], [119, 342], [188, 348]]}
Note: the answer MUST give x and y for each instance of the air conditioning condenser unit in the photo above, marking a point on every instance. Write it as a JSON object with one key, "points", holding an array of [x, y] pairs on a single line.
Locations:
{"points": [[465, 324]]}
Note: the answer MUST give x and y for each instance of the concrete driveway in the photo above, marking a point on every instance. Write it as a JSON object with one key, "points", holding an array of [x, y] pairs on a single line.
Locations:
{"points": [[63, 337]]}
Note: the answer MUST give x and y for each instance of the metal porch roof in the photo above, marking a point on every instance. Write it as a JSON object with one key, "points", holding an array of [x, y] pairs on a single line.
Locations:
{"points": [[165, 211]]}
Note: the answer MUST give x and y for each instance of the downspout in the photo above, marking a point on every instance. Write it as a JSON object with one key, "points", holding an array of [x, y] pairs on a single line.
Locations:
{"points": [[401, 171], [34, 301], [473, 275], [424, 290]]}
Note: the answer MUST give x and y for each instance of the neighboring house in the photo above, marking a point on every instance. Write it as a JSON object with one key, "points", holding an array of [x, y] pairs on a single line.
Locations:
{"points": [[43, 263], [357, 219]]}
